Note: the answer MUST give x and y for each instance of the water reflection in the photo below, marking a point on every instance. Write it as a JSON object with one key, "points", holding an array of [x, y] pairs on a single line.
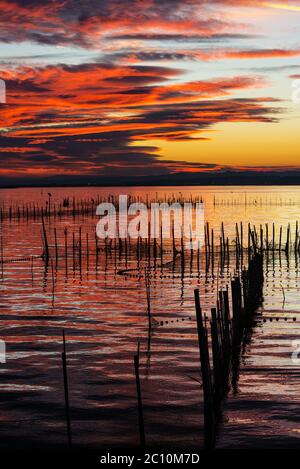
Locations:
{"points": [[105, 314]]}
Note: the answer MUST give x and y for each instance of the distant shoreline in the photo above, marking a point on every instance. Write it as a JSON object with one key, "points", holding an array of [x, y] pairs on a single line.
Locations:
{"points": [[217, 184], [224, 178]]}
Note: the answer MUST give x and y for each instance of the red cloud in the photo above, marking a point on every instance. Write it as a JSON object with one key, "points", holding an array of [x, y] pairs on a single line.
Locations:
{"points": [[55, 95], [84, 118], [261, 53]]}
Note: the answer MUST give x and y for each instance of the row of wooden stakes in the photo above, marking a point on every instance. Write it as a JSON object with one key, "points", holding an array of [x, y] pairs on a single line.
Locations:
{"points": [[220, 344], [71, 206]]}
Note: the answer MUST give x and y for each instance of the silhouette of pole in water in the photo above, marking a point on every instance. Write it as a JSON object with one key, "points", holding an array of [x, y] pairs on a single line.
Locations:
{"points": [[46, 246], [209, 418], [66, 249], [56, 247], [228, 336], [66, 389], [147, 284], [139, 396]]}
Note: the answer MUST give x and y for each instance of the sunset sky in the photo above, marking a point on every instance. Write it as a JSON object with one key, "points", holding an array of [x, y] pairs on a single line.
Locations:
{"points": [[148, 87]]}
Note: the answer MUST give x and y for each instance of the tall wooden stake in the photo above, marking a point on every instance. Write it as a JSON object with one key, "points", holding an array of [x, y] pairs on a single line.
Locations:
{"points": [[139, 396], [66, 389]]}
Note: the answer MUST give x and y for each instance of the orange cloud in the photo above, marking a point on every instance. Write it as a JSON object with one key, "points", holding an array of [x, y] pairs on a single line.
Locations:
{"points": [[85, 118], [261, 53]]}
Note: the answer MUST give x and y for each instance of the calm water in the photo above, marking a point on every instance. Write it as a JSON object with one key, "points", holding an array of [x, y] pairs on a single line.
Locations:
{"points": [[104, 315]]}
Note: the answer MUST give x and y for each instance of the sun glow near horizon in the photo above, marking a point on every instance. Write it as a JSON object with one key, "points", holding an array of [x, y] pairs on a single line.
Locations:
{"points": [[282, 6]]}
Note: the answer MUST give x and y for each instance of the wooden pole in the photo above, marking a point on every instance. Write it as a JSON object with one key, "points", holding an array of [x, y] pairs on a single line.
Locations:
{"points": [[209, 420], [66, 390], [139, 397], [46, 251]]}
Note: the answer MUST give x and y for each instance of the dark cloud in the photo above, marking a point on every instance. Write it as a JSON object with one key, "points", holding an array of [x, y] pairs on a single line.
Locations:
{"points": [[182, 37], [84, 118], [110, 152], [78, 22], [97, 118]]}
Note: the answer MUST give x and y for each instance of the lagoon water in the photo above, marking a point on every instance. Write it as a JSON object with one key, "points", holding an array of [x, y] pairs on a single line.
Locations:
{"points": [[104, 315]]}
